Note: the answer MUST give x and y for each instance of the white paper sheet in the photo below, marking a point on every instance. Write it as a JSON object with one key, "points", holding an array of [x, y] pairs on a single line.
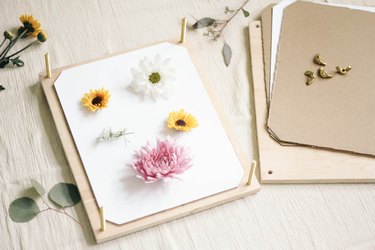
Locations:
{"points": [[277, 18], [125, 198]]}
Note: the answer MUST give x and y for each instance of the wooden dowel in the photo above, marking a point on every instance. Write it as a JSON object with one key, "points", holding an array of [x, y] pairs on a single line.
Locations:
{"points": [[102, 220], [252, 171], [48, 66], [183, 30]]}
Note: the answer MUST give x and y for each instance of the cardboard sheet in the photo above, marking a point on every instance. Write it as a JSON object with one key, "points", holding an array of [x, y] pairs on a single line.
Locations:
{"points": [[298, 164], [329, 113], [266, 21], [277, 17]]}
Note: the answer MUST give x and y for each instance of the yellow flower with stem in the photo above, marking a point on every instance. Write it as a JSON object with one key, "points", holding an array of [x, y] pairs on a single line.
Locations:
{"points": [[181, 121], [31, 26], [96, 99]]}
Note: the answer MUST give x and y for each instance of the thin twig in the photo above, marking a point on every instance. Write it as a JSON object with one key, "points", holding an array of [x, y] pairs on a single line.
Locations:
{"points": [[44, 201], [58, 211], [216, 28], [234, 14]]}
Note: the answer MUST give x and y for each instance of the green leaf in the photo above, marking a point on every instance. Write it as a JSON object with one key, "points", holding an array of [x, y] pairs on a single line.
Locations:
{"points": [[23, 209], [245, 12], [227, 53], [228, 10], [18, 62], [38, 187], [65, 194], [204, 22], [2, 88]]}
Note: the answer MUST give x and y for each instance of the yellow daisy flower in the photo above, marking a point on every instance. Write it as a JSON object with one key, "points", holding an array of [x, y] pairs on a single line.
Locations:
{"points": [[181, 121], [31, 24], [96, 99]]}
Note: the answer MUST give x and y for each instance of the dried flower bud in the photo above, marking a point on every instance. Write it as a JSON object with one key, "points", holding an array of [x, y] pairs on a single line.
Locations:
{"points": [[8, 35], [42, 36]]}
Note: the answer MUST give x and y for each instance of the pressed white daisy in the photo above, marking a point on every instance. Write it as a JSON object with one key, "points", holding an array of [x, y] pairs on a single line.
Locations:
{"points": [[153, 78]]}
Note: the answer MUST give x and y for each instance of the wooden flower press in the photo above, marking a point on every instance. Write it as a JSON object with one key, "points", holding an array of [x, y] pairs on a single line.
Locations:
{"points": [[103, 230]]}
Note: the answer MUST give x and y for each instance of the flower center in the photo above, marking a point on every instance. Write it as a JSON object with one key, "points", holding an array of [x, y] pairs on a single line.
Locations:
{"points": [[181, 123], [97, 100], [154, 78], [28, 26]]}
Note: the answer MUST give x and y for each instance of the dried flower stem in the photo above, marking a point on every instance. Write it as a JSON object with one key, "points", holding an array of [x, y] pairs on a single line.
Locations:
{"points": [[31, 44], [233, 15], [109, 135], [215, 27], [3, 42]]}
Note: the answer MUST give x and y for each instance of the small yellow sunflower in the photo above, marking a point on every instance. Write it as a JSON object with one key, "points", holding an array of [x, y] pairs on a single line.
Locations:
{"points": [[96, 99], [181, 121], [31, 24]]}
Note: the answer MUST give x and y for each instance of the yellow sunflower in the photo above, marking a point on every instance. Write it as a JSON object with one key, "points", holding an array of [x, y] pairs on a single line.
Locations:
{"points": [[181, 121], [96, 99], [31, 24]]}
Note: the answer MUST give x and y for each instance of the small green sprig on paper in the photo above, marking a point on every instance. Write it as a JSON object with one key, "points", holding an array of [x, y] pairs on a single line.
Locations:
{"points": [[214, 28], [109, 135], [30, 28]]}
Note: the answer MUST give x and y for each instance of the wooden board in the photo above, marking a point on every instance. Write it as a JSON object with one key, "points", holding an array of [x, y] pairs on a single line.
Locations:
{"points": [[113, 231], [298, 164]]}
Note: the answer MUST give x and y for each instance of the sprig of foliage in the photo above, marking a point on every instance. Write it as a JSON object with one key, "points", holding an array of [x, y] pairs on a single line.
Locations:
{"points": [[63, 195], [109, 135], [215, 28]]}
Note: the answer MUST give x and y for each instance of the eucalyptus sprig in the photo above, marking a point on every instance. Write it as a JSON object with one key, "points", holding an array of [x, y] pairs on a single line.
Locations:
{"points": [[63, 195], [214, 28], [30, 28]]}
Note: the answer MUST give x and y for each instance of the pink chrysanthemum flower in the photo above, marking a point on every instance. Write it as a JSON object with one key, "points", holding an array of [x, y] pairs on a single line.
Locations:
{"points": [[166, 160]]}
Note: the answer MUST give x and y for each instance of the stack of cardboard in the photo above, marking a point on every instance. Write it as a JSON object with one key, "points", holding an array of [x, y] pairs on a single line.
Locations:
{"points": [[324, 131]]}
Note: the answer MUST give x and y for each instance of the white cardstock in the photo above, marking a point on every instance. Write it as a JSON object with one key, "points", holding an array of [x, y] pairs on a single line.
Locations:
{"points": [[125, 197]]}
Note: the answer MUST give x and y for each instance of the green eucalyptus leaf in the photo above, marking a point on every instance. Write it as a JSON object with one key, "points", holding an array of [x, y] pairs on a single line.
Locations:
{"points": [[2, 88], [23, 209], [38, 187], [17, 62], [245, 12], [65, 194], [227, 53], [204, 22]]}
